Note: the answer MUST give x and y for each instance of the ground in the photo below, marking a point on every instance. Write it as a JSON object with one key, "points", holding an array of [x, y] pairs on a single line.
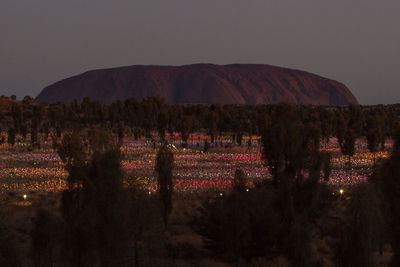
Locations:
{"points": [[39, 175]]}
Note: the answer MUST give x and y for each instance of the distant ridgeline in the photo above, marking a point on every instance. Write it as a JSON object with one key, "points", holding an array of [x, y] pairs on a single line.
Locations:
{"points": [[201, 83]]}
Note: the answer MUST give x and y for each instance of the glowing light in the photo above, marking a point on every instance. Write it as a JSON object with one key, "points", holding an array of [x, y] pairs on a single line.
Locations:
{"points": [[195, 171], [341, 191], [24, 197]]}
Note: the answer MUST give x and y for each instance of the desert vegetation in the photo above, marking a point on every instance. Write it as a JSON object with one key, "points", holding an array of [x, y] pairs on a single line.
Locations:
{"points": [[148, 183]]}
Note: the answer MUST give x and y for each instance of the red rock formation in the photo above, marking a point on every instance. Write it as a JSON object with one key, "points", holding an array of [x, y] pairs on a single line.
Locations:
{"points": [[201, 83]]}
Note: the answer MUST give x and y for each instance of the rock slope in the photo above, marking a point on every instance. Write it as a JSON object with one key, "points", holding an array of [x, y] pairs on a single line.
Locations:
{"points": [[201, 83]]}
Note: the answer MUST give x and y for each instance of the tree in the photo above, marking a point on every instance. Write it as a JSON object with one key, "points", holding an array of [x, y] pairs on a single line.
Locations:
{"points": [[348, 143], [211, 122], [10, 253], [103, 194], [185, 129], [54, 143], [386, 176], [241, 225], [355, 119], [162, 122], [206, 146], [16, 113], [95, 214], [326, 165], [34, 133], [239, 182], [326, 124], [79, 242], [142, 215], [373, 134], [24, 131], [27, 100], [288, 144], [164, 166], [74, 154], [11, 136], [45, 236], [100, 140], [340, 127], [362, 235], [291, 149], [239, 138]]}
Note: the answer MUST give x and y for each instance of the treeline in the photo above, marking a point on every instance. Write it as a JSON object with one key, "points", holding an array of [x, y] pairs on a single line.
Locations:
{"points": [[154, 115]]}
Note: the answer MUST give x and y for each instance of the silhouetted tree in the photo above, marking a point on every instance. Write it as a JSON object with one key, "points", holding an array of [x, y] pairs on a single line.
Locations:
{"points": [[142, 215], [45, 237], [185, 128], [95, 214], [34, 133], [103, 193], [11, 136], [327, 123], [206, 146], [362, 235], [347, 144], [373, 134], [10, 252], [74, 154], [239, 182], [100, 140], [16, 113], [164, 166], [326, 165], [235, 227], [386, 177], [162, 122], [24, 131]]}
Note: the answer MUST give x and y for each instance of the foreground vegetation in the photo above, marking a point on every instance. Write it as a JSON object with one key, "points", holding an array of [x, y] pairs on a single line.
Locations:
{"points": [[292, 215]]}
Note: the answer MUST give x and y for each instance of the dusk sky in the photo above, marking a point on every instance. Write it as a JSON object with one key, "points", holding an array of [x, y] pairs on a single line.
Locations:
{"points": [[356, 42]]}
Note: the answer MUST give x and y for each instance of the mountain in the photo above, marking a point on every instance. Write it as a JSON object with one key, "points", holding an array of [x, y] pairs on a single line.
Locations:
{"points": [[201, 83]]}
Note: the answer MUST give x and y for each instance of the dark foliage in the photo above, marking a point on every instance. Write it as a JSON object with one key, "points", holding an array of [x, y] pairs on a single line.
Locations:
{"points": [[386, 177], [362, 235], [45, 237], [10, 252], [164, 166], [246, 225]]}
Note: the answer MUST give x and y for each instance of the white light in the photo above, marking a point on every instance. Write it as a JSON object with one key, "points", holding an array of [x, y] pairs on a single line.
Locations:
{"points": [[341, 191], [149, 193], [24, 197], [220, 194], [247, 190]]}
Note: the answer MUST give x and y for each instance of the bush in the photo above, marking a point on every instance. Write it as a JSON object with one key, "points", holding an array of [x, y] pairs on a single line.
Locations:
{"points": [[241, 225], [362, 235], [10, 253], [45, 236]]}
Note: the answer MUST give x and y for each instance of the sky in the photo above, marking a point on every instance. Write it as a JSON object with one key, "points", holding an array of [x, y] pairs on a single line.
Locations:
{"points": [[352, 41]]}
